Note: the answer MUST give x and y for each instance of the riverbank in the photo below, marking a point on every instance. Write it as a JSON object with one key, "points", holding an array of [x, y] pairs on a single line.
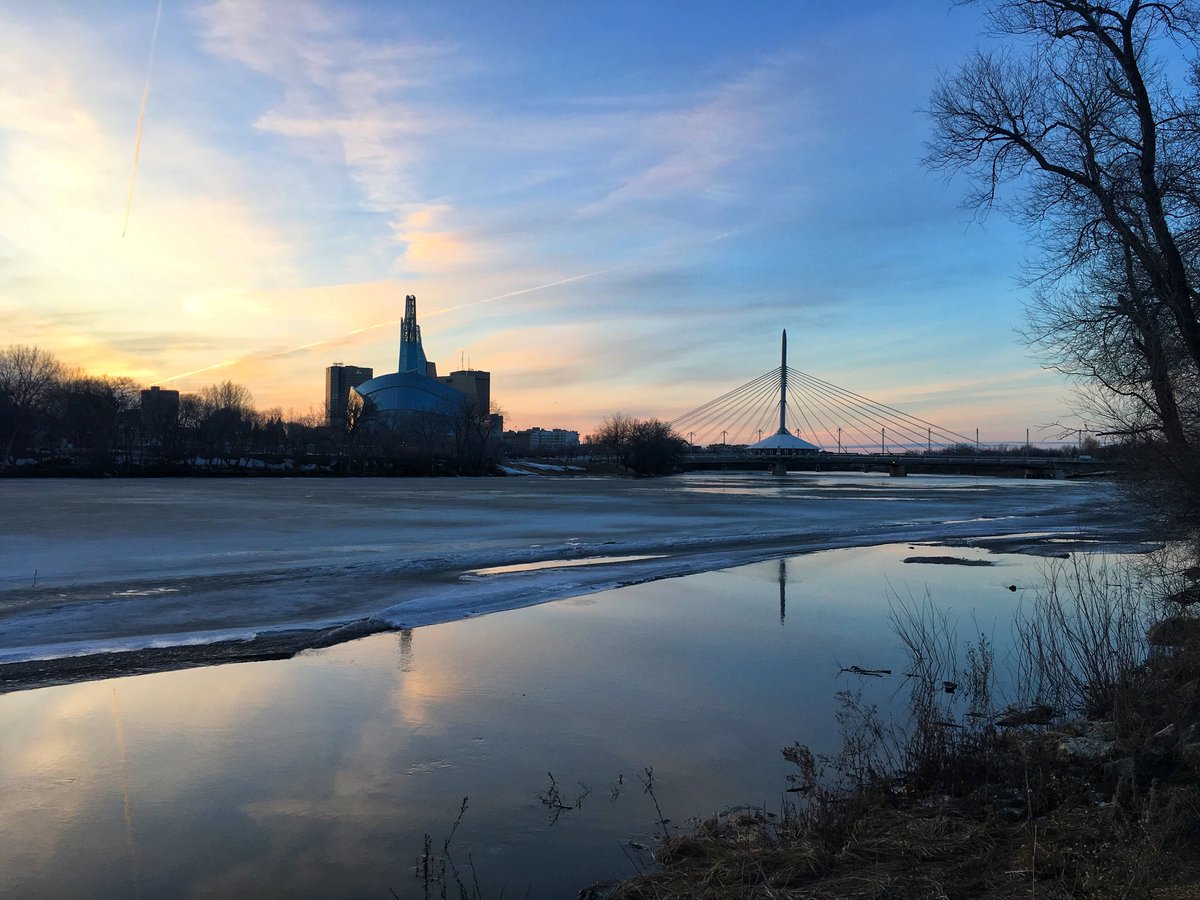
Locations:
{"points": [[1094, 794]]}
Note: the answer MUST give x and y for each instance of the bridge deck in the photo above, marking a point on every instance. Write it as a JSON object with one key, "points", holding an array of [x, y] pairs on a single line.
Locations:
{"points": [[1027, 466]]}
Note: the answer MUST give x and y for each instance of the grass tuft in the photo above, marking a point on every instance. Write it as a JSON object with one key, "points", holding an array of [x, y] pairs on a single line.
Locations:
{"points": [[1085, 784]]}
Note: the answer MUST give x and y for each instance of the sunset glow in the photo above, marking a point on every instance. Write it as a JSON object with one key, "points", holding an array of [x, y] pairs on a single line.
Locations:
{"points": [[612, 208]]}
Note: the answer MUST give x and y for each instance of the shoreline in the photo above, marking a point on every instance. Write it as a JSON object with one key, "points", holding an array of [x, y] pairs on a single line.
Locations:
{"points": [[40, 673], [1080, 782], [169, 652]]}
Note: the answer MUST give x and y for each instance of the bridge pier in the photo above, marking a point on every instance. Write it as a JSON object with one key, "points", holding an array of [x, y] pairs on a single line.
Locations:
{"points": [[896, 470]]}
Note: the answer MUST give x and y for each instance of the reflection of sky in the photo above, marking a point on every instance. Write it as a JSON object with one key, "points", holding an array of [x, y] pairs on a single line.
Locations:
{"points": [[319, 774]]}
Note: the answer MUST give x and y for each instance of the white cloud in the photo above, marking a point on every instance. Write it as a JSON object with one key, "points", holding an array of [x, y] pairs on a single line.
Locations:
{"points": [[402, 120], [355, 91]]}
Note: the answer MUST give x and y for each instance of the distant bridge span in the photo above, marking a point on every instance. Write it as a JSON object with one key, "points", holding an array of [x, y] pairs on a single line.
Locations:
{"points": [[900, 464]]}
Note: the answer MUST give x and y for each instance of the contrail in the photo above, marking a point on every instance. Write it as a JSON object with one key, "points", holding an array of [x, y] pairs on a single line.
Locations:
{"points": [[529, 290], [137, 142], [220, 365]]}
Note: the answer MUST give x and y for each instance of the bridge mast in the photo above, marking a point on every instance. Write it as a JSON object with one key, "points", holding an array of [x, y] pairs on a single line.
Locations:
{"points": [[783, 388]]}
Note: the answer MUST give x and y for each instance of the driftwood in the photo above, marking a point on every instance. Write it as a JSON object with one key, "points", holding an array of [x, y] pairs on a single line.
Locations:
{"points": [[875, 673]]}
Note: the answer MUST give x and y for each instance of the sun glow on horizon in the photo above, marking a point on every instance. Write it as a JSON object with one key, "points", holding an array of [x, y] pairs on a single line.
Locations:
{"points": [[632, 240]]}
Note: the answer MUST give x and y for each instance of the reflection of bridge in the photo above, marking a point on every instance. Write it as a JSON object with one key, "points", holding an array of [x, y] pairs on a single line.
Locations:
{"points": [[904, 463]]}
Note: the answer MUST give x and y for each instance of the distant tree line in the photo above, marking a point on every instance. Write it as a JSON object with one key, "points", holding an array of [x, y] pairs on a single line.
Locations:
{"points": [[54, 420], [1088, 445]]}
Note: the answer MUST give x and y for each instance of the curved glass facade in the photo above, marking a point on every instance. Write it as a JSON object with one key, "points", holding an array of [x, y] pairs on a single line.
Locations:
{"points": [[409, 392]]}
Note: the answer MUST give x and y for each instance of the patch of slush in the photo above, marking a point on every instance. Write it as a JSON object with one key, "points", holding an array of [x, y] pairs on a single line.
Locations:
{"points": [[561, 564]]}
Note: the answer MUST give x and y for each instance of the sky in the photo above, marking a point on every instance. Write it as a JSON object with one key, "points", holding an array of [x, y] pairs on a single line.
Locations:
{"points": [[611, 207]]}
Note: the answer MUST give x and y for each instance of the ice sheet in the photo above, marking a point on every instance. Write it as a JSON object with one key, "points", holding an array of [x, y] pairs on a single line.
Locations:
{"points": [[97, 566]]}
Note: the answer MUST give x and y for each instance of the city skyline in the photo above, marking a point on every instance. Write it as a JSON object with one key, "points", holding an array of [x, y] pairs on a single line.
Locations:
{"points": [[611, 209]]}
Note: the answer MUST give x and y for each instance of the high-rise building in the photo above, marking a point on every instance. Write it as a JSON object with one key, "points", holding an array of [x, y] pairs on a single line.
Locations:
{"points": [[159, 413], [475, 383], [339, 379]]}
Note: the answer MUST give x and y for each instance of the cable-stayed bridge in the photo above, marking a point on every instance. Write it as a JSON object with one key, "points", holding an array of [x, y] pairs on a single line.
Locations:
{"points": [[790, 418], [828, 417], [831, 417]]}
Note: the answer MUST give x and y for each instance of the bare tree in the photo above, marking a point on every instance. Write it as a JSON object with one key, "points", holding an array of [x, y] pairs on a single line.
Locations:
{"points": [[28, 376], [1077, 112], [475, 434], [644, 446], [228, 395], [360, 413], [227, 420], [92, 411], [433, 434]]}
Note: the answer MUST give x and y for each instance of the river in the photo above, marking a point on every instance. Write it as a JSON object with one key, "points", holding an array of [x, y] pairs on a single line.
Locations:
{"points": [[320, 775]]}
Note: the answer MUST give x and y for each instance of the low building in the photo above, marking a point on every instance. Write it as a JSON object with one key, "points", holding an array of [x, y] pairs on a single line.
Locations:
{"points": [[541, 442]]}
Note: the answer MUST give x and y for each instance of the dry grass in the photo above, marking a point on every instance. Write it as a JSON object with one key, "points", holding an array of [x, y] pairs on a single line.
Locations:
{"points": [[951, 805], [1083, 639]]}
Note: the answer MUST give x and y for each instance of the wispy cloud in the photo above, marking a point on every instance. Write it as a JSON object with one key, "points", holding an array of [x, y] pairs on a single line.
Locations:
{"points": [[355, 93], [696, 148], [397, 113], [597, 241]]}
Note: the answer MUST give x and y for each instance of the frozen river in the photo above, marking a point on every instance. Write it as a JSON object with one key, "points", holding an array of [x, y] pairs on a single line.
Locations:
{"points": [[88, 567], [320, 775]]}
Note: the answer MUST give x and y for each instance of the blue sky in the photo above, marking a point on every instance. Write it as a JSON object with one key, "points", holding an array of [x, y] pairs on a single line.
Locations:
{"points": [[612, 207]]}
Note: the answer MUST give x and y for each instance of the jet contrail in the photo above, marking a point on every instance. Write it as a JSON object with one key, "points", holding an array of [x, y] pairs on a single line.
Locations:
{"points": [[137, 141], [529, 290], [220, 365]]}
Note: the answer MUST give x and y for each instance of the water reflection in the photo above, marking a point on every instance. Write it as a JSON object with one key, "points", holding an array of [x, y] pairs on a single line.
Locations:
{"points": [[782, 591], [406, 649], [123, 754], [320, 775]]}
